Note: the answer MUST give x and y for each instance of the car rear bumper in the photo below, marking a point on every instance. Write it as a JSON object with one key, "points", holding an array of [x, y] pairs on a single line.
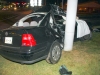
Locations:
{"points": [[20, 55]]}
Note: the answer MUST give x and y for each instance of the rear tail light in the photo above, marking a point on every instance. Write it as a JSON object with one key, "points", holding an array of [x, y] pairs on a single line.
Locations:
{"points": [[28, 40]]}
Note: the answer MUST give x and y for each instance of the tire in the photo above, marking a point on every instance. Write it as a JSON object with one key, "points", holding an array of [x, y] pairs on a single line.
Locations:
{"points": [[86, 37], [54, 53]]}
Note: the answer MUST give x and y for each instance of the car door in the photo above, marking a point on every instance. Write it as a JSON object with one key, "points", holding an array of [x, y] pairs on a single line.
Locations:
{"points": [[43, 37]]}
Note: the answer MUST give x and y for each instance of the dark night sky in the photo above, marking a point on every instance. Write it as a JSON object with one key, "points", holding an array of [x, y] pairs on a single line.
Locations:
{"points": [[79, 1], [51, 1]]}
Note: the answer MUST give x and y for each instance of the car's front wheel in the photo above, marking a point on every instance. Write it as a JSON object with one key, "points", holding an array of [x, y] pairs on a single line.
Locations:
{"points": [[55, 53], [86, 37]]}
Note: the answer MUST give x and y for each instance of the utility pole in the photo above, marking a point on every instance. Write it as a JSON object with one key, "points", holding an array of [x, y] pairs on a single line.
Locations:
{"points": [[70, 24]]}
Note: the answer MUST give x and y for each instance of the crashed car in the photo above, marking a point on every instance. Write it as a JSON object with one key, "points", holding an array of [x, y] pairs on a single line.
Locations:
{"points": [[37, 36]]}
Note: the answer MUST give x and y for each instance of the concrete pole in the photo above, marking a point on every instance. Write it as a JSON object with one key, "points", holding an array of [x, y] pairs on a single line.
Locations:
{"points": [[70, 24]]}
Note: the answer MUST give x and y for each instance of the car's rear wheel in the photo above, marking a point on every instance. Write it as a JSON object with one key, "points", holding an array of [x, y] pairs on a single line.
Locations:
{"points": [[55, 53]]}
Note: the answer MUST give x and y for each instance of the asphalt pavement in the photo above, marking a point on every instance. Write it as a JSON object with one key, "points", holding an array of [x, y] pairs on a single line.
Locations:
{"points": [[4, 25]]}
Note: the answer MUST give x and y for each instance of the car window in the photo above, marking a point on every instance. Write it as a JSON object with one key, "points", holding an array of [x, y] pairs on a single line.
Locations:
{"points": [[30, 20], [34, 20]]}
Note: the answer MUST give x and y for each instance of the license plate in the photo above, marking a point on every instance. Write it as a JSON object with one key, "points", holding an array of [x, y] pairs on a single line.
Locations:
{"points": [[8, 40]]}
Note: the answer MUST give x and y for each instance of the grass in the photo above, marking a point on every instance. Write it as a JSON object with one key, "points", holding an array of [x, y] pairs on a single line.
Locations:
{"points": [[84, 59]]}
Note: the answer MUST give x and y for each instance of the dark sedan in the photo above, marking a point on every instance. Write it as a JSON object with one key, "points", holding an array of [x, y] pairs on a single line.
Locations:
{"points": [[37, 36]]}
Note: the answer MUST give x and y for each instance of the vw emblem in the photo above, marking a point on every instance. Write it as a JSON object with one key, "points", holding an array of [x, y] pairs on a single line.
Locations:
{"points": [[6, 33]]}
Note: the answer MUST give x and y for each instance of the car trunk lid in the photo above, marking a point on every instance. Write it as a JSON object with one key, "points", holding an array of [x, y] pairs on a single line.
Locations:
{"points": [[12, 37]]}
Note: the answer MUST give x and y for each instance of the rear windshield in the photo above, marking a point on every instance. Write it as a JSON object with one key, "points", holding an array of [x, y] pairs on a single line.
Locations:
{"points": [[30, 20]]}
